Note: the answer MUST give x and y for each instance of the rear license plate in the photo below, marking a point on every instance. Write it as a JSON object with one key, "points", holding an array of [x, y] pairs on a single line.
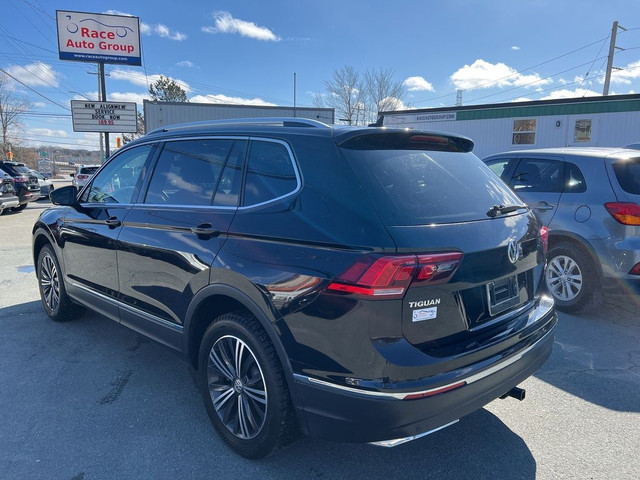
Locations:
{"points": [[503, 295]]}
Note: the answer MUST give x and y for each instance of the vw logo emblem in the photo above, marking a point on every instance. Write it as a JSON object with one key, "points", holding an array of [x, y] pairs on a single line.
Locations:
{"points": [[513, 251]]}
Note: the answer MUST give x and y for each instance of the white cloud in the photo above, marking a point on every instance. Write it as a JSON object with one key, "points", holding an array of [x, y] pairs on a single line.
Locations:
{"points": [[138, 78], [515, 48], [186, 63], [625, 75], [165, 32], [415, 84], [147, 29], [39, 104], [225, 23], [521, 99], [566, 93], [46, 132], [483, 74], [35, 74], [229, 100]]}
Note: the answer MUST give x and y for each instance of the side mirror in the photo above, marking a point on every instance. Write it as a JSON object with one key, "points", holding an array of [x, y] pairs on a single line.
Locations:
{"points": [[64, 195], [72, 175]]}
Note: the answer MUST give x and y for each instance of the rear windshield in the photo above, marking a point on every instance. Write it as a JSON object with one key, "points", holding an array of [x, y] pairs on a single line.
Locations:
{"points": [[88, 170], [418, 187], [628, 175]]}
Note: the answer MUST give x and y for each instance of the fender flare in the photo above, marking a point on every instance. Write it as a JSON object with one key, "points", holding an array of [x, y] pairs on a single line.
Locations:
{"points": [[251, 305]]}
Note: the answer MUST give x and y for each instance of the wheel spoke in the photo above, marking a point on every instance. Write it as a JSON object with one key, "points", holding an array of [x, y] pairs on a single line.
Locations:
{"points": [[257, 395], [220, 365], [221, 399]]}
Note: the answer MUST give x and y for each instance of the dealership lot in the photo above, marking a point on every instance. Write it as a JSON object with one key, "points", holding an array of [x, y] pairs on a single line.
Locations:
{"points": [[92, 399]]}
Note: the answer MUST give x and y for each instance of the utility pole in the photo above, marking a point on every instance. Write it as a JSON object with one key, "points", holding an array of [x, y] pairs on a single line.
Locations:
{"points": [[103, 94], [612, 49]]}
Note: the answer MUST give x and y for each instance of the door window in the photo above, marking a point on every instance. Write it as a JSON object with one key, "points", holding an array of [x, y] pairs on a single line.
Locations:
{"points": [[119, 180], [189, 172], [538, 175]]}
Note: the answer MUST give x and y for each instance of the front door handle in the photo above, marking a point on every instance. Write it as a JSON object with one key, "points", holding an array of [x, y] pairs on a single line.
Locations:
{"points": [[113, 222], [543, 206], [205, 230]]}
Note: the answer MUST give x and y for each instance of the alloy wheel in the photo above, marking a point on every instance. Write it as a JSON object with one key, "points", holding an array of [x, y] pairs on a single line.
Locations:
{"points": [[237, 387], [50, 283], [564, 278]]}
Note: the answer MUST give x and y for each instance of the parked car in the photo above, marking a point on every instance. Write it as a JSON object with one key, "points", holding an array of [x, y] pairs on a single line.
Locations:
{"points": [[46, 185], [8, 198], [26, 184], [82, 175], [356, 284], [589, 198]]}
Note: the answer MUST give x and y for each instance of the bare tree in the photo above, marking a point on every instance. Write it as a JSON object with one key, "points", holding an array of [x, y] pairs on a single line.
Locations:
{"points": [[358, 100], [345, 94], [167, 90], [129, 137], [383, 93], [11, 107]]}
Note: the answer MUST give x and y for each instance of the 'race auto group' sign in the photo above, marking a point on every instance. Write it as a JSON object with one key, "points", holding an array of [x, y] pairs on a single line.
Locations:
{"points": [[94, 37]]}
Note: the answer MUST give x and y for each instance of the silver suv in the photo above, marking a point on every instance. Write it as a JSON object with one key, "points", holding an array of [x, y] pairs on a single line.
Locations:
{"points": [[589, 198]]}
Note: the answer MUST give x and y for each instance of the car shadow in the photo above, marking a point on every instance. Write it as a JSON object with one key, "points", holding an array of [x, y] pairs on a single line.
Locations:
{"points": [[133, 389], [596, 355]]}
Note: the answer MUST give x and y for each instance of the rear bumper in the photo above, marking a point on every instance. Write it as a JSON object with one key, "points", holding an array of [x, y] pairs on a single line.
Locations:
{"points": [[9, 202], [350, 414]]}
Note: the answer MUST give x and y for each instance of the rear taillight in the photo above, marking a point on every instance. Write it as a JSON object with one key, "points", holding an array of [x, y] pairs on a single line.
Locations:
{"points": [[635, 270], [625, 213], [544, 238], [20, 179], [389, 276], [82, 177]]}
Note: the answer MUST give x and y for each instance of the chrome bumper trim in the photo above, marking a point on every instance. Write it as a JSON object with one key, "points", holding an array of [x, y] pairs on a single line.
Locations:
{"points": [[400, 441]]}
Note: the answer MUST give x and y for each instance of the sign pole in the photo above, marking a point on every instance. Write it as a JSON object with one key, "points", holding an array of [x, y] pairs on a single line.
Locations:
{"points": [[103, 94]]}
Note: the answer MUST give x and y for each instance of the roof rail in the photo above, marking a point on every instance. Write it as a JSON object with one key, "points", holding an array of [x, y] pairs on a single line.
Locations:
{"points": [[277, 121]]}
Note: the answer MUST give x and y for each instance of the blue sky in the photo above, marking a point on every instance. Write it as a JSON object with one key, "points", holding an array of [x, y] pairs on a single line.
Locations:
{"points": [[247, 52]]}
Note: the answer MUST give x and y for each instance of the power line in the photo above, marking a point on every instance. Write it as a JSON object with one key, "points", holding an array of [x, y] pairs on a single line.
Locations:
{"points": [[34, 91]]}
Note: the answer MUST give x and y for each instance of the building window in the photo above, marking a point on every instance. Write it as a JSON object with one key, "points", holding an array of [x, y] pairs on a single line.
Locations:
{"points": [[582, 132], [524, 132]]}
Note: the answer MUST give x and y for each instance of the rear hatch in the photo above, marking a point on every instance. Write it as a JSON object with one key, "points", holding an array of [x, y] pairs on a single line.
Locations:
{"points": [[475, 249]]}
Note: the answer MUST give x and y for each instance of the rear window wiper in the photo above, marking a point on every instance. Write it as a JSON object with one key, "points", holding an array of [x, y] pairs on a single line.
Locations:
{"points": [[503, 209]]}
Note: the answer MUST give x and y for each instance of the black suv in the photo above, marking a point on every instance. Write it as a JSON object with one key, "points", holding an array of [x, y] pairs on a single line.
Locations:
{"points": [[26, 183], [355, 284], [8, 197]]}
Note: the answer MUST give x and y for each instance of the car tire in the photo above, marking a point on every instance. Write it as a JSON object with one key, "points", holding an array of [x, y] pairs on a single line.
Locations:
{"points": [[55, 301], [243, 386], [572, 278], [19, 208]]}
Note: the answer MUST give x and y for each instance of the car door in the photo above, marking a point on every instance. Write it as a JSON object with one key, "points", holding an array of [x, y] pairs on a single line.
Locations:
{"points": [[90, 230], [538, 181], [171, 237]]}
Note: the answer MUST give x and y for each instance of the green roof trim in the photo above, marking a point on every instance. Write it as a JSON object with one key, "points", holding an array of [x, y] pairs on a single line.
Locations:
{"points": [[582, 108]]}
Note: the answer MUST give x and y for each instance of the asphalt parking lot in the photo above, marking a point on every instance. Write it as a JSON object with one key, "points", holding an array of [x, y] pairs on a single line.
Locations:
{"points": [[91, 399]]}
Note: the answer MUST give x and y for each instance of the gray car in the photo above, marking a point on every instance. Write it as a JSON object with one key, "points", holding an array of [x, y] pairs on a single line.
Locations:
{"points": [[589, 198]]}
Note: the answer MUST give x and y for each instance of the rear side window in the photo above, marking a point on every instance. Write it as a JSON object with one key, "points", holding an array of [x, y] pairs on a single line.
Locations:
{"points": [[574, 180], [418, 187], [628, 175], [270, 172], [88, 170]]}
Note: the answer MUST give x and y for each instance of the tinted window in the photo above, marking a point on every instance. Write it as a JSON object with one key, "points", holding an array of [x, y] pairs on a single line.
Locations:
{"points": [[499, 166], [270, 173], [574, 180], [628, 175], [413, 187], [228, 190], [118, 180], [537, 175], [188, 172], [88, 170]]}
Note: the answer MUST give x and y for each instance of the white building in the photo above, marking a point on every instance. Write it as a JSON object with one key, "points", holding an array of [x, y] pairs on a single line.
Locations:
{"points": [[161, 114], [611, 121]]}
